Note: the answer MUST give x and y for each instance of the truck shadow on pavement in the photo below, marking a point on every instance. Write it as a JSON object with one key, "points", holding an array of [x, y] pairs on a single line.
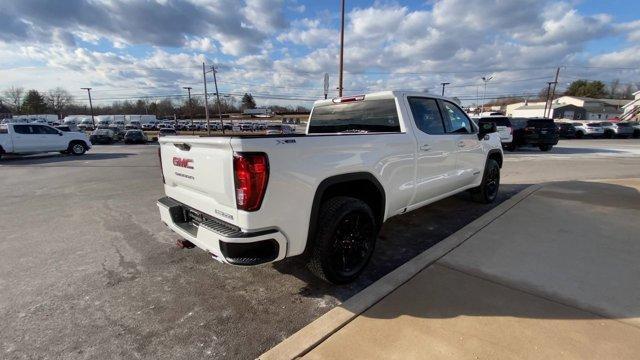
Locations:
{"points": [[401, 239], [585, 276], [52, 159]]}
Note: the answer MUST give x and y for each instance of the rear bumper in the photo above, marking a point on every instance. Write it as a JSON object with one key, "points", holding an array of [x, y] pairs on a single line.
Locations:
{"points": [[225, 242]]}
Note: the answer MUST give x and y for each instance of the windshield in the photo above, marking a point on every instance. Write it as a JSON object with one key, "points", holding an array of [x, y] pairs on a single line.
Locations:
{"points": [[359, 116], [103, 132], [593, 125], [624, 125]]}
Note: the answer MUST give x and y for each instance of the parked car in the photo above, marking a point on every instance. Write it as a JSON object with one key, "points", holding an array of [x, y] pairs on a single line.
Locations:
{"points": [[38, 138], [593, 130], [167, 132], [636, 129], [623, 130], [246, 127], [86, 125], [278, 129], [541, 133], [363, 160], [68, 127], [566, 130], [505, 129], [135, 137], [102, 136], [610, 129]]}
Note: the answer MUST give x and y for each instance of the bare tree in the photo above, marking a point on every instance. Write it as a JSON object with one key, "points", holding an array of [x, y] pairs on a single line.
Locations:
{"points": [[58, 99], [615, 88], [13, 97]]}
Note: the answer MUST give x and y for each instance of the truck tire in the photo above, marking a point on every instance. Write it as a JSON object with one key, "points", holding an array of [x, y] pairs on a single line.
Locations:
{"points": [[345, 240], [545, 147], [77, 148], [487, 192], [579, 134]]}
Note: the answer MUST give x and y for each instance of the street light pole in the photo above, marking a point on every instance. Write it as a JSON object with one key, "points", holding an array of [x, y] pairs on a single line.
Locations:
{"points": [[486, 80], [341, 49], [443, 85], [93, 120]]}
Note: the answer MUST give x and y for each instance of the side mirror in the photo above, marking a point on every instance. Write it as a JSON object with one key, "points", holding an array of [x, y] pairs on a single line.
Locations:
{"points": [[60, 133], [486, 128]]}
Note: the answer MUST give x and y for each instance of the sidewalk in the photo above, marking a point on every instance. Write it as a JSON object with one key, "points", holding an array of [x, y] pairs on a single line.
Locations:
{"points": [[555, 275]]}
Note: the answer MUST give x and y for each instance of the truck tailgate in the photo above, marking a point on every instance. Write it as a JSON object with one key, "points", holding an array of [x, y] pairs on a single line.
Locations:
{"points": [[198, 172]]}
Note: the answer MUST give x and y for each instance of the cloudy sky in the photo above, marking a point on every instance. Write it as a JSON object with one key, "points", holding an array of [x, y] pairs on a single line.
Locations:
{"points": [[280, 49]]}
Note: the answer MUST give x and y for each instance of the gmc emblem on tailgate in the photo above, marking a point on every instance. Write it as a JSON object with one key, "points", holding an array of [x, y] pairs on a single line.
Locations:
{"points": [[184, 163]]}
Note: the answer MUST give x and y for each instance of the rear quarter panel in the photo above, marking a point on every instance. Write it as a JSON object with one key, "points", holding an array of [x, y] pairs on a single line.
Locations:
{"points": [[299, 164]]}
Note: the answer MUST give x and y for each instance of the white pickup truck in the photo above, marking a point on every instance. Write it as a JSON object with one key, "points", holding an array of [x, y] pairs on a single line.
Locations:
{"points": [[39, 138], [249, 200]]}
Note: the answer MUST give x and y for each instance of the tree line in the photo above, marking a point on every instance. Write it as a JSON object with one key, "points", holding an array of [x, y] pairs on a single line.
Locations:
{"points": [[59, 101]]}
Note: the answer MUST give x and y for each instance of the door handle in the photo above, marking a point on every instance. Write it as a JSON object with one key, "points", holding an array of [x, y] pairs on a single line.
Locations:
{"points": [[425, 147], [461, 144]]}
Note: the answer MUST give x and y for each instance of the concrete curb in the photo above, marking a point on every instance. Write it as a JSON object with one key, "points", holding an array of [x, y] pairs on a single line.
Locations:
{"points": [[320, 329]]}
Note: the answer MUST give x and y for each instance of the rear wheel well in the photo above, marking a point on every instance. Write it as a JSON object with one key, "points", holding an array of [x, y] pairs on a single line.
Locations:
{"points": [[363, 186], [495, 155], [363, 189]]}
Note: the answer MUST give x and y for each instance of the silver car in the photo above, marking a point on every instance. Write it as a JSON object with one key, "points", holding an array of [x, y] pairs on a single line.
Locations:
{"points": [[624, 129]]}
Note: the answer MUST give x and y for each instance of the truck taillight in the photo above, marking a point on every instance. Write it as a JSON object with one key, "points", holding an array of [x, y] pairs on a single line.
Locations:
{"points": [[251, 172], [160, 159]]}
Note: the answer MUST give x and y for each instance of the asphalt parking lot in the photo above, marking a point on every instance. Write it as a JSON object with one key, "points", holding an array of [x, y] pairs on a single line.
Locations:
{"points": [[88, 271]]}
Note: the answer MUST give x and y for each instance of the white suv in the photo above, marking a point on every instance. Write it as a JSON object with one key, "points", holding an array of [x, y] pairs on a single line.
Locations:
{"points": [[592, 130]]}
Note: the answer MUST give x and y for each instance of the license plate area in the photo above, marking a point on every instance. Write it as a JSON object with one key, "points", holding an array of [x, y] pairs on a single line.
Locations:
{"points": [[194, 217]]}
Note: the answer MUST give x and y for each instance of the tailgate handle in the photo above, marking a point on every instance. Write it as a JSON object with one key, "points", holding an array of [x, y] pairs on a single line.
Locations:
{"points": [[184, 147]]}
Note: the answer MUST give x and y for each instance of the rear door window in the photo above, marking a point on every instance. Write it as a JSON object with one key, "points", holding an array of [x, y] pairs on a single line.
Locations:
{"points": [[23, 129], [456, 121], [426, 115], [498, 120], [359, 116], [541, 123]]}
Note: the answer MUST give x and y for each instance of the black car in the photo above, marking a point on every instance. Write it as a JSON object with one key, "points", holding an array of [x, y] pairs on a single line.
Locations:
{"points": [[539, 132], [102, 136], [566, 130], [135, 137]]}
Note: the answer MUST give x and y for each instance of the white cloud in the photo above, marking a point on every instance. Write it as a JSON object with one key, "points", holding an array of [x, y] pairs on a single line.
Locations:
{"points": [[258, 50]]}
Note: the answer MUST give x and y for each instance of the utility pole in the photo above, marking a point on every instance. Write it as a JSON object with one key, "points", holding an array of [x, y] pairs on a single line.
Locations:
{"points": [[548, 104], [484, 94], [206, 99], [443, 85], [341, 49], [188, 88], [555, 82], [215, 82], [93, 120]]}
